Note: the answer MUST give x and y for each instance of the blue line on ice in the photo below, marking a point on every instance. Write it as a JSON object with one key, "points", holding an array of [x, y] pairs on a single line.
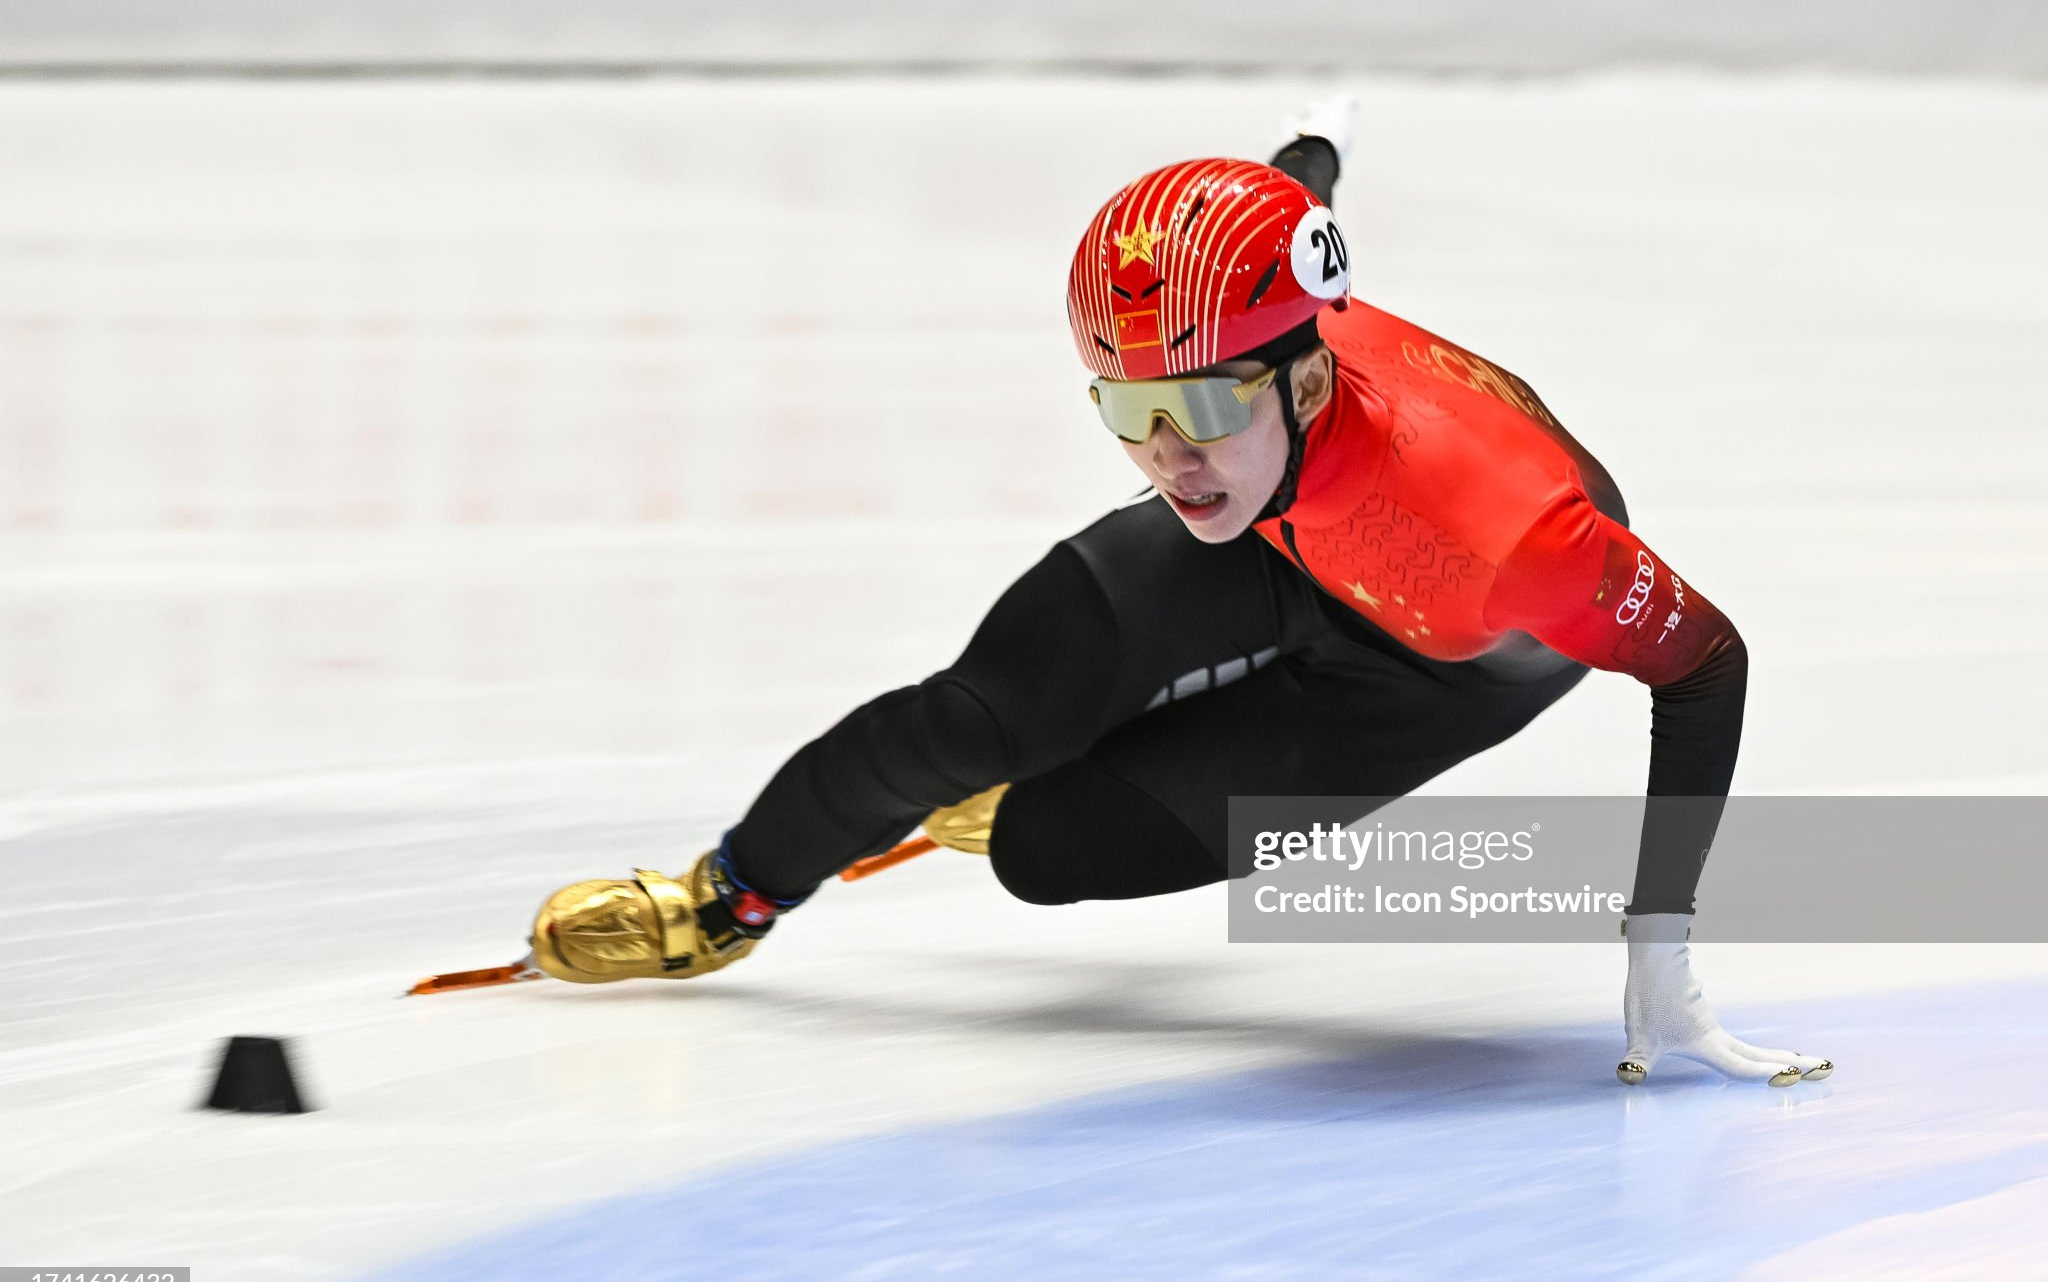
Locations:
{"points": [[1516, 1156]]}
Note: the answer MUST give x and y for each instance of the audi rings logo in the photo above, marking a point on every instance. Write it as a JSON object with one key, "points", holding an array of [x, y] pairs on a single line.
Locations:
{"points": [[1639, 591]]}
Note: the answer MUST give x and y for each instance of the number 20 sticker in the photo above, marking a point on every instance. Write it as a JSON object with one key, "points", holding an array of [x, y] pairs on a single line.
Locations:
{"points": [[1321, 265]]}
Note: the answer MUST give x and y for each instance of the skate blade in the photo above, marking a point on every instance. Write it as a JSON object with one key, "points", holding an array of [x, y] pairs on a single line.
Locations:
{"points": [[873, 864], [518, 972]]}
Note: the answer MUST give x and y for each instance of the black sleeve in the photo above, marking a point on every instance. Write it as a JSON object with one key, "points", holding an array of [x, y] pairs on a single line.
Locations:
{"points": [[1695, 734]]}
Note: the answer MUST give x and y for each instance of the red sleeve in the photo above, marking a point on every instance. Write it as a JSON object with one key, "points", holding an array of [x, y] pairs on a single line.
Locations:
{"points": [[1582, 584], [1588, 588]]}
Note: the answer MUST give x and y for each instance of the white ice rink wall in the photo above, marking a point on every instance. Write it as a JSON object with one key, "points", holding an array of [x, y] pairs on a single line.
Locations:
{"points": [[1954, 37]]}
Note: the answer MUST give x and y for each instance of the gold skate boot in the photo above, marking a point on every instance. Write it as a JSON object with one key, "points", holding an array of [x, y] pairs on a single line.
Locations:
{"points": [[966, 825], [652, 927]]}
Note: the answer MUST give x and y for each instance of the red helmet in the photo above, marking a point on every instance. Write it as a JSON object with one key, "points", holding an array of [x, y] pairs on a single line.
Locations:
{"points": [[1200, 262]]}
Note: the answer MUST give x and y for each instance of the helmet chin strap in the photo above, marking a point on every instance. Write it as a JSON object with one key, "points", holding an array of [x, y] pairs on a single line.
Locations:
{"points": [[1297, 444]]}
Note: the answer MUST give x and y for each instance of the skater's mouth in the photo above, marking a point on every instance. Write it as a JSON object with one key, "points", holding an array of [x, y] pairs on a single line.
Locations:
{"points": [[1200, 505]]}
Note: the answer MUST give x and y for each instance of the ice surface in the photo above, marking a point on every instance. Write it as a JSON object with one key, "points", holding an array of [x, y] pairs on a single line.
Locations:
{"points": [[414, 497]]}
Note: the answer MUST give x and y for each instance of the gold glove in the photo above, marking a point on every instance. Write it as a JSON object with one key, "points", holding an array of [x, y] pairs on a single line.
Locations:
{"points": [[652, 927], [966, 825]]}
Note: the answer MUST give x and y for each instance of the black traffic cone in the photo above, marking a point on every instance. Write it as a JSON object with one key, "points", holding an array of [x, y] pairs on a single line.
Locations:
{"points": [[255, 1077]]}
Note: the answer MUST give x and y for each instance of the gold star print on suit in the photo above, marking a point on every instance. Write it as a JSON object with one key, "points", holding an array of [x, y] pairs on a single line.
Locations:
{"points": [[1138, 245], [1358, 590]]}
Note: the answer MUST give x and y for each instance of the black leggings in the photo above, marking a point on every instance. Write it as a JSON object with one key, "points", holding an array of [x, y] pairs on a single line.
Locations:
{"points": [[1129, 684]]}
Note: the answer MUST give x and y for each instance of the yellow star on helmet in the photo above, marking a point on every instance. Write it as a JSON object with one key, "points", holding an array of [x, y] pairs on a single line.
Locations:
{"points": [[1138, 244]]}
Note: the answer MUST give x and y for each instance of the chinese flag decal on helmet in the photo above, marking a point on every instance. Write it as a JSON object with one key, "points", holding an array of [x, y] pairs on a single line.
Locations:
{"points": [[1199, 262]]}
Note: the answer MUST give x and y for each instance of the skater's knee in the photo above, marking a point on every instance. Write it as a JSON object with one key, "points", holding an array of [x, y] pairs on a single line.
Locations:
{"points": [[1024, 872], [1079, 833], [959, 735]]}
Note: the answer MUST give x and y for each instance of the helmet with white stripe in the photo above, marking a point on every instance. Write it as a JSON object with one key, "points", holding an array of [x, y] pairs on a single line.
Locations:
{"points": [[1202, 262]]}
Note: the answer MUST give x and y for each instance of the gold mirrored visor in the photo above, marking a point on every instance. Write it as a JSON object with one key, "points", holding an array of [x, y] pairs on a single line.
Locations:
{"points": [[1202, 410]]}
